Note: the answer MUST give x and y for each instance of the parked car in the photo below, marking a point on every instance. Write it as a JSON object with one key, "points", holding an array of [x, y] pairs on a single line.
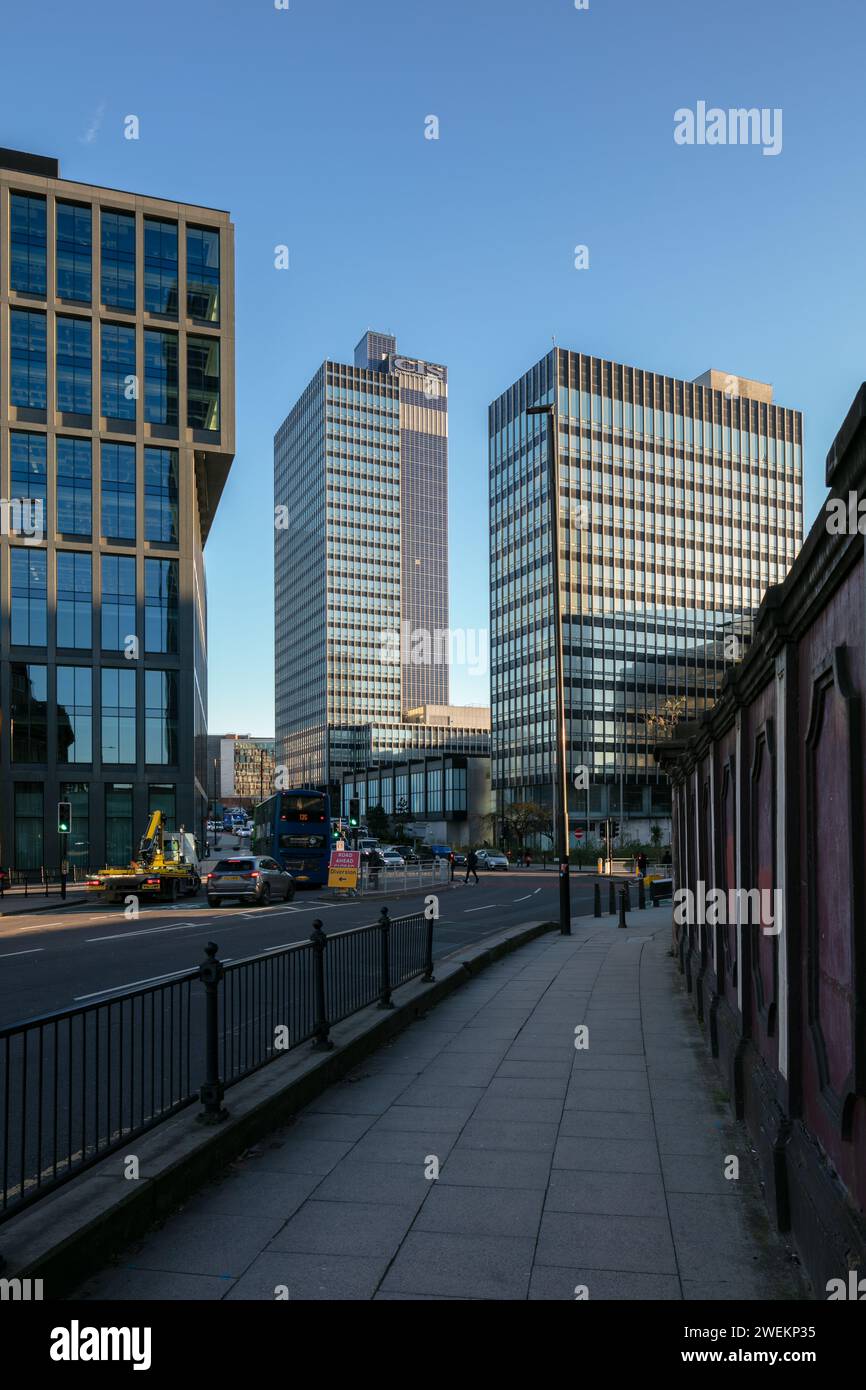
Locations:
{"points": [[249, 876], [492, 859]]}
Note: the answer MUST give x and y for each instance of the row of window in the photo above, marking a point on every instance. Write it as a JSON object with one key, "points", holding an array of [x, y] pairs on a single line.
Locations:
{"points": [[28, 273], [28, 455], [28, 385], [73, 716], [404, 794], [29, 807], [74, 604]]}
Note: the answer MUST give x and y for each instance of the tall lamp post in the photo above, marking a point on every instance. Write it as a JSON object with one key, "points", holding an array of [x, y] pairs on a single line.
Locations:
{"points": [[560, 781]]}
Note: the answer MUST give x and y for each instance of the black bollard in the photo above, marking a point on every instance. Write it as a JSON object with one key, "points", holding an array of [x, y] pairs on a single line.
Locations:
{"points": [[318, 941], [385, 1001], [611, 899], [641, 893], [597, 901], [428, 977], [210, 972], [622, 907], [627, 892]]}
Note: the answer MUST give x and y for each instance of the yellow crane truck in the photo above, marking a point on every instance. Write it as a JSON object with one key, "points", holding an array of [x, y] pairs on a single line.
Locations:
{"points": [[167, 867]]}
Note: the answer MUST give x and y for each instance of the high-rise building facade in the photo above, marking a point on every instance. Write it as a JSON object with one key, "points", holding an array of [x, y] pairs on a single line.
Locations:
{"points": [[361, 561], [680, 502], [240, 768], [116, 438]]}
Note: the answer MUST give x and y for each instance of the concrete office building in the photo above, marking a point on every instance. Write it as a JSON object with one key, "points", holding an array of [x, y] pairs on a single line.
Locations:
{"points": [[240, 769], [680, 502], [445, 797], [117, 428], [361, 565]]}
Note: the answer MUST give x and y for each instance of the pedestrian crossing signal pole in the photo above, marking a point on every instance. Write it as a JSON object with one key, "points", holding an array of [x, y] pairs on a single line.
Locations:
{"points": [[64, 825], [560, 782]]}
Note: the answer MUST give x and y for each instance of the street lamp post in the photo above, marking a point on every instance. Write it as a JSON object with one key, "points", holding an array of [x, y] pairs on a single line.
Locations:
{"points": [[560, 781]]}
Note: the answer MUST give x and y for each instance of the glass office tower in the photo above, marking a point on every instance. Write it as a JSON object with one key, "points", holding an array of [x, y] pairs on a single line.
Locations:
{"points": [[361, 559], [680, 502], [117, 430]]}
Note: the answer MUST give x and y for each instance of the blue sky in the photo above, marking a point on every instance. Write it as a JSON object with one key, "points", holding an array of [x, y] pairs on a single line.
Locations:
{"points": [[556, 129]]}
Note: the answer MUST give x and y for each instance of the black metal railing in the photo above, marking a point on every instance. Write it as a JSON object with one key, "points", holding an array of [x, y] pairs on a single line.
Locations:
{"points": [[79, 1084], [42, 881]]}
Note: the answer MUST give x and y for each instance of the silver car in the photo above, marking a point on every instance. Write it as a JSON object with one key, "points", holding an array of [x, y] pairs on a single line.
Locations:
{"points": [[392, 860], [256, 877], [492, 859]]}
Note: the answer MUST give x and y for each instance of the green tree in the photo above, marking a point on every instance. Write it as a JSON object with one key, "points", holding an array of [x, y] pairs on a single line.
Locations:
{"points": [[524, 818], [378, 823], [656, 835]]}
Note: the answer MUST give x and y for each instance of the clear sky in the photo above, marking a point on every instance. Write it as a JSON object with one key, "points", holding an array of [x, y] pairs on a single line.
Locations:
{"points": [[555, 129]]}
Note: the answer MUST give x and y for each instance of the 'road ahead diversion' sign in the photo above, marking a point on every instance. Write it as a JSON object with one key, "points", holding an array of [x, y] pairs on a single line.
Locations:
{"points": [[343, 868]]}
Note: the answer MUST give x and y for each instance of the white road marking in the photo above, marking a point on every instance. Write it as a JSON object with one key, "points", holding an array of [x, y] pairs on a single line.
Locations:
{"points": [[480, 909], [145, 931], [522, 900], [33, 952], [131, 984]]}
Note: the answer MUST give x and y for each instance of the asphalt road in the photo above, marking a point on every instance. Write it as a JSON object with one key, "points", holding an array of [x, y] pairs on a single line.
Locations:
{"points": [[58, 960]]}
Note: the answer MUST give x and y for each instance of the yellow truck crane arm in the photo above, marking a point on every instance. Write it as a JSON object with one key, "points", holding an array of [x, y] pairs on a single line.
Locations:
{"points": [[151, 847]]}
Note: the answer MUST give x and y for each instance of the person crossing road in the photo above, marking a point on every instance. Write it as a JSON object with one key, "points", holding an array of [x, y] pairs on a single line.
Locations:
{"points": [[471, 866]]}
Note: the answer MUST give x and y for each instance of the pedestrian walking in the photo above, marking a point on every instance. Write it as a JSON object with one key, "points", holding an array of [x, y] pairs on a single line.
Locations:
{"points": [[471, 865], [375, 862], [451, 863], [527, 860], [641, 864]]}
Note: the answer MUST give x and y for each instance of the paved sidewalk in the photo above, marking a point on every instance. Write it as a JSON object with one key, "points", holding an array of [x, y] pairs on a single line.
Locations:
{"points": [[558, 1167]]}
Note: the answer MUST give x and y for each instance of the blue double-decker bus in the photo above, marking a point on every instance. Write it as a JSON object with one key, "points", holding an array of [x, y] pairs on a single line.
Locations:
{"points": [[294, 827]]}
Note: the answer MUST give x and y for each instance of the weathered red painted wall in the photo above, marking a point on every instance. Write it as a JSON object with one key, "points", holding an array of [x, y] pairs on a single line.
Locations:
{"points": [[828, 867]]}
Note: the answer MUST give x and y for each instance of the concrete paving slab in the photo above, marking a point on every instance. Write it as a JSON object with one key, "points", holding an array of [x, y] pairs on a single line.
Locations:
{"points": [[338, 1228], [480, 1211], [633, 1244], [462, 1266], [614, 1194], [310, 1277]]}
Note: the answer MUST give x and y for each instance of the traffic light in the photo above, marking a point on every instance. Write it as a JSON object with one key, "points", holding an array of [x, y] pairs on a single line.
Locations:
{"points": [[64, 817], [354, 811], [614, 829]]}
